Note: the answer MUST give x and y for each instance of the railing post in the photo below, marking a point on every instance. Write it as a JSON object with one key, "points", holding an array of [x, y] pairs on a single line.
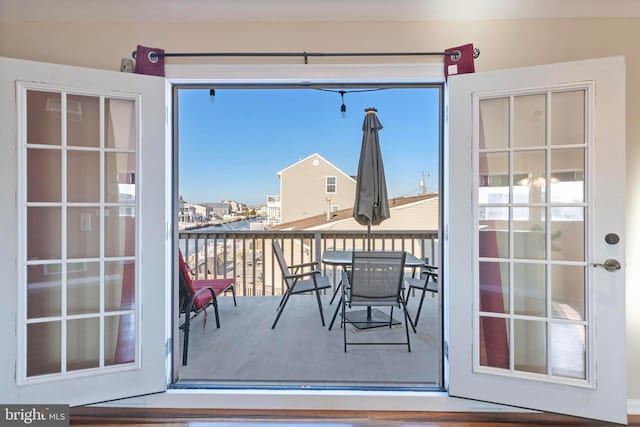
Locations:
{"points": [[317, 241]]}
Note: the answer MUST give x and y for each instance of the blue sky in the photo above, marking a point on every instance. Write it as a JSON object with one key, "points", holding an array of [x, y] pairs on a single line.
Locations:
{"points": [[232, 148]]}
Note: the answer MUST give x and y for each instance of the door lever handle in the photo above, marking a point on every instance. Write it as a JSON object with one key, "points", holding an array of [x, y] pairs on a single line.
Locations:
{"points": [[610, 265]]}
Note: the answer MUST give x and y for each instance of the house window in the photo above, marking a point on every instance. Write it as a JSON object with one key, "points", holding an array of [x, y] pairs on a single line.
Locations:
{"points": [[331, 183]]}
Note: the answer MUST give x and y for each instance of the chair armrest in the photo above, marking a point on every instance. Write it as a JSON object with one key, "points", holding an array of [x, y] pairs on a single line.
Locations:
{"points": [[198, 292], [345, 280], [306, 264], [429, 270], [203, 289], [303, 274]]}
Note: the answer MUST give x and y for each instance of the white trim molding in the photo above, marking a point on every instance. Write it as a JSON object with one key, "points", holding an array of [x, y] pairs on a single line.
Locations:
{"points": [[305, 74], [295, 399], [320, 400]]}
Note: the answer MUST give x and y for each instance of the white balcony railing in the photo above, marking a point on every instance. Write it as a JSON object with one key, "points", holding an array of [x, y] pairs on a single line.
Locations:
{"points": [[248, 257]]}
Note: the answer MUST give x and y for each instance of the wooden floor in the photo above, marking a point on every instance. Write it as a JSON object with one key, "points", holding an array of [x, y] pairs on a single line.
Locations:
{"points": [[262, 418]]}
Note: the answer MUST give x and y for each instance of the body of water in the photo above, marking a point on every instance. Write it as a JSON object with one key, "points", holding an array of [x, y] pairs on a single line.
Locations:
{"points": [[233, 226], [230, 226]]}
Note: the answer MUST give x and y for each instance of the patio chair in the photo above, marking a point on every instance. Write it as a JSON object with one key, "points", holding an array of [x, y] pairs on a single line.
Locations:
{"points": [[375, 280], [196, 296], [298, 281], [427, 282]]}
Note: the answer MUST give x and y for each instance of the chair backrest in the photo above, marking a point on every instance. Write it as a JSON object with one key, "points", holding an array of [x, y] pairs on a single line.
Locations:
{"points": [[277, 250], [186, 283], [184, 270], [377, 276]]}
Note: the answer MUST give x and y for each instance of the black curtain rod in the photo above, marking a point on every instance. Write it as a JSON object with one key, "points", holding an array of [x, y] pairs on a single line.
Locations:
{"points": [[304, 55]]}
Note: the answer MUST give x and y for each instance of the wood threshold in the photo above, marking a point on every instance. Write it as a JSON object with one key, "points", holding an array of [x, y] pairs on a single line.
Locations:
{"points": [[166, 417]]}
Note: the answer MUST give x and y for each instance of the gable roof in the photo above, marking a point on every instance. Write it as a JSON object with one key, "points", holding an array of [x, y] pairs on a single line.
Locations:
{"points": [[321, 158], [345, 214]]}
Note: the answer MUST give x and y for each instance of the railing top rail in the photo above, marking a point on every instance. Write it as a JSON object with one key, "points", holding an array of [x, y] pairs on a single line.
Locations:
{"points": [[194, 233]]}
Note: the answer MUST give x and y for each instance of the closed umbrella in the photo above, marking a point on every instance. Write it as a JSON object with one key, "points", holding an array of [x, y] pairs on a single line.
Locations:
{"points": [[371, 205]]}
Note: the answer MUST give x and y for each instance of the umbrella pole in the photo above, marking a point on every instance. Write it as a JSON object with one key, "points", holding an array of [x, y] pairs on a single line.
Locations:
{"points": [[369, 248]]}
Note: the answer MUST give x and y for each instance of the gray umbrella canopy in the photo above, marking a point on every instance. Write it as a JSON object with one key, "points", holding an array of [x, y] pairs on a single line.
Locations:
{"points": [[371, 206]]}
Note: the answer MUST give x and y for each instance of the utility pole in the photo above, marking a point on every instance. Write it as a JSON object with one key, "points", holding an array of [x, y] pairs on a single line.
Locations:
{"points": [[423, 183], [328, 199]]}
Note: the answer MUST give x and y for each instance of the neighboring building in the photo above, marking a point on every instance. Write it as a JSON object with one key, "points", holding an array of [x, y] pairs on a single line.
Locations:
{"points": [[192, 213], [202, 212], [414, 213], [262, 211], [313, 186], [219, 210], [236, 207], [273, 208], [274, 211]]}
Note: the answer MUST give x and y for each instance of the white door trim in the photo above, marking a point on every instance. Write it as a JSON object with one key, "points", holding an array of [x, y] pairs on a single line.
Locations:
{"points": [[300, 399], [305, 73], [273, 74]]}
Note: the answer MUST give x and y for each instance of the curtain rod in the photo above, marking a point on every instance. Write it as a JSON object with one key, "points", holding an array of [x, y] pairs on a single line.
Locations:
{"points": [[305, 55]]}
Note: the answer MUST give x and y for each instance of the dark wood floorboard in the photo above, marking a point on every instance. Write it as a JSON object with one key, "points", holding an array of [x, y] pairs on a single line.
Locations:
{"points": [[104, 417]]}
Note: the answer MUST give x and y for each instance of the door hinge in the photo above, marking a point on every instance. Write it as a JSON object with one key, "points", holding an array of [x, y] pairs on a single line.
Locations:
{"points": [[446, 350], [168, 347]]}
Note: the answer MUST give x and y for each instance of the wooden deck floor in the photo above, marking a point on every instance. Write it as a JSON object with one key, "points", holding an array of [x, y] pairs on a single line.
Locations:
{"points": [[261, 418]]}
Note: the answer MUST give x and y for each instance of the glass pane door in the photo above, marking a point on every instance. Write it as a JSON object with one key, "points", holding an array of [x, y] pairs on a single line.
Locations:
{"points": [[81, 145], [80, 233], [535, 180], [531, 234]]}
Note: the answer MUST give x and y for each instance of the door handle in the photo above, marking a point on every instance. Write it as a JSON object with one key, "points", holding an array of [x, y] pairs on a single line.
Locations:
{"points": [[610, 265]]}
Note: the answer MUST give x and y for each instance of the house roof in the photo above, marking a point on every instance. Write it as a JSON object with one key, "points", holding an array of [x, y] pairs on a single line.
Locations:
{"points": [[321, 158], [344, 214]]}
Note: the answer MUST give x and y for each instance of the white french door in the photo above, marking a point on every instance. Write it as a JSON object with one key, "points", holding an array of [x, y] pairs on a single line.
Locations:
{"points": [[85, 237], [535, 178]]}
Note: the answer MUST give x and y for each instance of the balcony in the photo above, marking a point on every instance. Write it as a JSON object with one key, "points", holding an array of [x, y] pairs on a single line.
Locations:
{"points": [[300, 351]]}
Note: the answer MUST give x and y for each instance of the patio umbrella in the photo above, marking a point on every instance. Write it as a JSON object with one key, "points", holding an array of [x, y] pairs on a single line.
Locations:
{"points": [[371, 206]]}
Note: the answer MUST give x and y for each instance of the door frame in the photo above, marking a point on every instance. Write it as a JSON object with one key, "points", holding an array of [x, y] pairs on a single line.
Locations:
{"points": [[299, 76], [318, 399]]}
